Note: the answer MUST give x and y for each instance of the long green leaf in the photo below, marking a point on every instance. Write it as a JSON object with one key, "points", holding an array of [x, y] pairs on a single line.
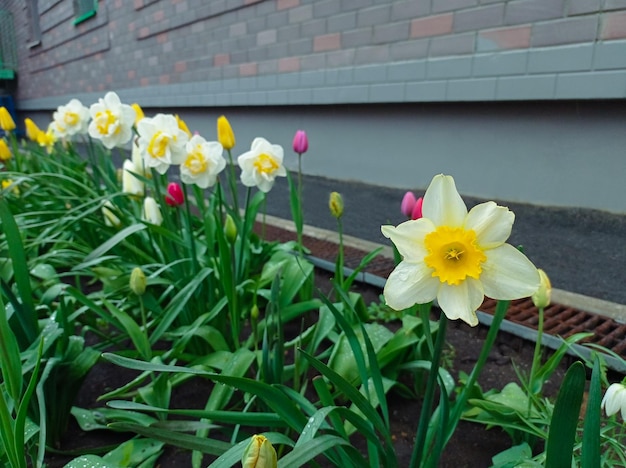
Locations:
{"points": [[565, 418], [28, 319], [591, 429], [10, 361], [112, 242], [136, 335], [177, 304], [309, 450], [233, 455]]}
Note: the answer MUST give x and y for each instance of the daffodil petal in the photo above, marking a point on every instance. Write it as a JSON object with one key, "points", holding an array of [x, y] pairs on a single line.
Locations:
{"points": [[408, 238], [442, 203], [461, 301], [410, 284], [507, 274], [491, 223]]}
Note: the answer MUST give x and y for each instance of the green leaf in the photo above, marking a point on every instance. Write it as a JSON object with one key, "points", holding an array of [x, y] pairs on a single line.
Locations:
{"points": [[112, 242], [565, 418], [10, 361], [309, 450], [233, 455], [136, 335], [92, 461], [133, 452], [591, 429]]}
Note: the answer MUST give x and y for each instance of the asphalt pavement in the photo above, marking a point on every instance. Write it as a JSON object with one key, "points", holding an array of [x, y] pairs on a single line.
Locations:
{"points": [[582, 250]]}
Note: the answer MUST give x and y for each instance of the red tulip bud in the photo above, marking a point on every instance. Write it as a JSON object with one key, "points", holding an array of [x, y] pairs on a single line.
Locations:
{"points": [[175, 196], [300, 142], [417, 209]]}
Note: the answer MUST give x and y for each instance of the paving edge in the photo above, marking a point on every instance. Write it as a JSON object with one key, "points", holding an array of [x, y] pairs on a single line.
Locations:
{"points": [[608, 309]]}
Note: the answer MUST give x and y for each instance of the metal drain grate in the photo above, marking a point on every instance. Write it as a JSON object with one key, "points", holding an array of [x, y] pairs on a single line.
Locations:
{"points": [[559, 320]]}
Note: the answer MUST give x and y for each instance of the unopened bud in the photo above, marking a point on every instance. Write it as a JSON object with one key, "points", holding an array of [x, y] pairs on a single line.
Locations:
{"points": [[254, 312], [336, 205], [541, 298], [259, 454], [230, 229], [138, 281]]}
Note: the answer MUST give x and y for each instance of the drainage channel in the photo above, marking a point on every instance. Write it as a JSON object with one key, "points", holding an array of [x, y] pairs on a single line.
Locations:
{"points": [[560, 321]]}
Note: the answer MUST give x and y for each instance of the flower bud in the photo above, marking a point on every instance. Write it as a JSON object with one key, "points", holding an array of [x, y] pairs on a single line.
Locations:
{"points": [[131, 184], [300, 142], [230, 229], [8, 183], [6, 121], [335, 203], [254, 313], [225, 133], [138, 112], [137, 158], [408, 203], [259, 454], [615, 400], [108, 211], [5, 152], [138, 281], [175, 195], [151, 211], [32, 130], [182, 125], [541, 298], [417, 209]]}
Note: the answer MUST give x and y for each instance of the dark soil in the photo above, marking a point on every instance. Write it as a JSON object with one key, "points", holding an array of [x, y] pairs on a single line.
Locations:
{"points": [[472, 445]]}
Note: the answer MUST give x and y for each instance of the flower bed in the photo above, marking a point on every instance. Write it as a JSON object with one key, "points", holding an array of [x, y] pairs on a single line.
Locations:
{"points": [[168, 286]]}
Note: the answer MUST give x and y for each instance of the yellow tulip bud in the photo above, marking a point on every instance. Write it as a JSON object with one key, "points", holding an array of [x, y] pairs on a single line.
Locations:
{"points": [[225, 133], [138, 281], [5, 152], [541, 298], [9, 184], [32, 130], [138, 112], [336, 205], [6, 121], [182, 125], [259, 454]]}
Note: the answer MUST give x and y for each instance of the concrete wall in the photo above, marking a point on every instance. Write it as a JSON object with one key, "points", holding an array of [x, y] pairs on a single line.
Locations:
{"points": [[521, 100]]}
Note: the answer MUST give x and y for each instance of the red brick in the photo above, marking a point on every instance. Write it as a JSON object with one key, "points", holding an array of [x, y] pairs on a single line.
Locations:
{"points": [[164, 79], [614, 25], [432, 25], [180, 66], [327, 42], [284, 4], [162, 38], [289, 64], [138, 4], [248, 69], [143, 32], [158, 15], [144, 81], [132, 74], [219, 60], [517, 37]]}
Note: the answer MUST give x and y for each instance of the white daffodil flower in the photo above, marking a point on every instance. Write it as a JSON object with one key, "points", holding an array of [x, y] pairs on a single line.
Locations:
{"points": [[151, 211], [161, 142], [70, 119], [457, 257], [261, 165], [203, 163], [615, 400], [131, 184], [112, 121]]}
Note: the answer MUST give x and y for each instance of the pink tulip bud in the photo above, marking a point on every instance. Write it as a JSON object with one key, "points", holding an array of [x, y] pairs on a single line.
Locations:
{"points": [[417, 209], [175, 196], [408, 203], [300, 142]]}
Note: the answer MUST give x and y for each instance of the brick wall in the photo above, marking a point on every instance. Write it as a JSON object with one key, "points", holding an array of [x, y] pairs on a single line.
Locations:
{"points": [[259, 52]]}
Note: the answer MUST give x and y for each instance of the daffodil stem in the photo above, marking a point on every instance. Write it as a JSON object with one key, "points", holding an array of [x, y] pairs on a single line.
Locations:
{"points": [[243, 239], [190, 237], [426, 413], [233, 183], [459, 404]]}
